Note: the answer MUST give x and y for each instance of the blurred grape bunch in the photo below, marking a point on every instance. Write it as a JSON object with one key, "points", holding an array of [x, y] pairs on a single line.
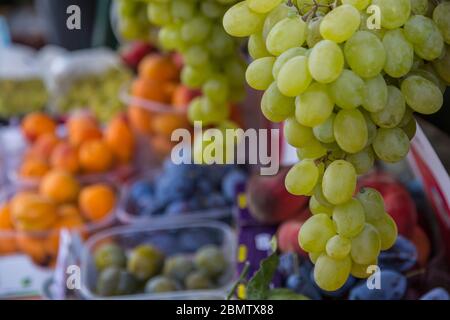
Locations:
{"points": [[21, 96], [98, 92]]}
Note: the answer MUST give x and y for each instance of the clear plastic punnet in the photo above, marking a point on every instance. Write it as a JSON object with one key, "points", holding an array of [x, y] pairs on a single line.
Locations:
{"points": [[176, 238]]}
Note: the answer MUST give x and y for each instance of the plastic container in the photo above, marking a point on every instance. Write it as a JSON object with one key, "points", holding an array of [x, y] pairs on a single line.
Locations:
{"points": [[89, 78], [22, 87], [176, 238], [154, 121], [42, 247], [126, 215]]}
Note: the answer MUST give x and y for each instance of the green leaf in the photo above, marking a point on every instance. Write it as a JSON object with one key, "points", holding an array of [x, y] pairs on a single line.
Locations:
{"points": [[258, 286]]}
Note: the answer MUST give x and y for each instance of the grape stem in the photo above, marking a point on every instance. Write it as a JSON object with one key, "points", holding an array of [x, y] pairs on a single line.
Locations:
{"points": [[241, 279]]}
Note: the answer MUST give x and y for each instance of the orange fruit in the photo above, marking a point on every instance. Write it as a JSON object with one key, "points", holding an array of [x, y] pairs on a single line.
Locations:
{"points": [[95, 156], [149, 90], [36, 124], [158, 67], [44, 145], [120, 139], [34, 247], [59, 186], [32, 212], [7, 239], [165, 123], [97, 201], [65, 157], [33, 168], [82, 128], [140, 119]]}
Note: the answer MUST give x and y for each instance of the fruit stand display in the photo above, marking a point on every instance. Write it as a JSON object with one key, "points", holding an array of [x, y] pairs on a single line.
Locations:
{"points": [[87, 177]]}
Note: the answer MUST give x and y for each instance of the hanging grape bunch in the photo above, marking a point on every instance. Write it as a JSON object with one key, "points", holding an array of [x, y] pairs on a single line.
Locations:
{"points": [[346, 93], [212, 60], [133, 23]]}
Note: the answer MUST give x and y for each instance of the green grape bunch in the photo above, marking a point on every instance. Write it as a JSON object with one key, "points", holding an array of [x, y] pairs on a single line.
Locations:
{"points": [[347, 94], [212, 59]]}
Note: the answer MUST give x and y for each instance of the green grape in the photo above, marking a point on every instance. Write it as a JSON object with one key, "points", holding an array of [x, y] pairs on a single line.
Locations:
{"points": [[196, 56], [196, 30], [313, 35], [366, 245], [338, 247], [410, 128], [442, 66], [371, 128], [287, 33], [182, 10], [257, 46], [219, 43], [441, 16], [276, 15], [428, 73], [286, 56], [387, 230], [259, 73], [349, 90], [263, 6], [406, 117], [360, 271], [159, 13], [313, 256], [358, 4], [240, 21], [422, 95], [216, 88], [419, 7], [275, 106], [350, 130], [326, 61], [340, 23], [302, 177], [314, 106], [324, 132], [365, 54], [195, 112], [394, 14], [331, 274], [235, 72], [391, 145], [212, 9], [194, 77], [373, 204], [394, 111], [169, 37], [349, 218], [214, 113], [366, 25], [312, 150], [399, 53], [296, 134], [339, 182], [363, 161], [424, 34], [316, 207], [315, 233], [376, 94], [318, 195], [294, 77]]}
